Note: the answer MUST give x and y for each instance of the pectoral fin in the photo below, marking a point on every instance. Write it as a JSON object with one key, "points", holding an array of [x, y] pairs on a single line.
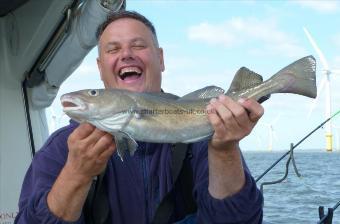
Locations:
{"points": [[112, 123], [124, 142]]}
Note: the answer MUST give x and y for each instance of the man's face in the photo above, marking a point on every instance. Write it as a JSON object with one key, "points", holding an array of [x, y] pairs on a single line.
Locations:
{"points": [[129, 58]]}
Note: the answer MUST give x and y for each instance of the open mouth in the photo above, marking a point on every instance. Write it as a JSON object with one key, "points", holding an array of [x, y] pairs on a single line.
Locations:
{"points": [[71, 104], [130, 73]]}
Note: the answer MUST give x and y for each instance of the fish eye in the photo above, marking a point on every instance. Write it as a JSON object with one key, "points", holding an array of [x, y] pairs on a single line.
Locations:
{"points": [[93, 92]]}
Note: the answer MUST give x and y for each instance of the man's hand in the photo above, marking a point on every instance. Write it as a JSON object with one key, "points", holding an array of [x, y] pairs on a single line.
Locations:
{"points": [[89, 151], [232, 121]]}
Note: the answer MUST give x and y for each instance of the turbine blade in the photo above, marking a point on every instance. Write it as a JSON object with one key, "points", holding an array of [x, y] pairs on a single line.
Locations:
{"points": [[317, 49], [315, 101]]}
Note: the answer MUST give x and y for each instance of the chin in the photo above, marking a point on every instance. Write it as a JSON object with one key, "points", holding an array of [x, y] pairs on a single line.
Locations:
{"points": [[135, 88]]}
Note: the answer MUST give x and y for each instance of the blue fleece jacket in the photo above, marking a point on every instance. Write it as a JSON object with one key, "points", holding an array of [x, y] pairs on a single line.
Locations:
{"points": [[136, 186]]}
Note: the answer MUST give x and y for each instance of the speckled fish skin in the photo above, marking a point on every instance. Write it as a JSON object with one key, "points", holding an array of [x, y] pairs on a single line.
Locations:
{"points": [[166, 118]]}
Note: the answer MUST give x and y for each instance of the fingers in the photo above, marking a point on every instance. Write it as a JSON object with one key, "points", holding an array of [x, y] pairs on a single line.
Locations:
{"points": [[215, 121], [106, 154], [97, 142], [94, 137], [255, 109], [104, 143], [231, 113], [82, 131], [243, 111], [89, 150], [91, 138], [232, 120], [238, 112]]}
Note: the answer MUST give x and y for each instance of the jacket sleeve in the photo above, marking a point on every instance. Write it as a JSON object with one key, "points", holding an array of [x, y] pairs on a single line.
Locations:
{"points": [[42, 173], [246, 206]]}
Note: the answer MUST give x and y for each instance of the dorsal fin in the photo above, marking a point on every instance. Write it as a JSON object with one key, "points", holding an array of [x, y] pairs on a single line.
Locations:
{"points": [[204, 93], [244, 79], [166, 95]]}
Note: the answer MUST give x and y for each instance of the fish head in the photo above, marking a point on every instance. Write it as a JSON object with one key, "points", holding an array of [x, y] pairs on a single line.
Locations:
{"points": [[97, 105]]}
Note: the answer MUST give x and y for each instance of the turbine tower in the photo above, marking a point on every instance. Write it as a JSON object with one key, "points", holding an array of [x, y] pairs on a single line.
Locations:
{"points": [[324, 82], [271, 132], [272, 135]]}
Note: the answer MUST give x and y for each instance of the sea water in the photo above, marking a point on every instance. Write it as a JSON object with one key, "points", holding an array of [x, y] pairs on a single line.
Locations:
{"points": [[296, 200]]}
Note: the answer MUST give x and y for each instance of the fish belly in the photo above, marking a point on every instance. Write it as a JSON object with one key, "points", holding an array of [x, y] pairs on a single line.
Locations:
{"points": [[179, 122]]}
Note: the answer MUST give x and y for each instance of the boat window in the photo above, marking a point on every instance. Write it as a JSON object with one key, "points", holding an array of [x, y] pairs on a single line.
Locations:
{"points": [[86, 76]]}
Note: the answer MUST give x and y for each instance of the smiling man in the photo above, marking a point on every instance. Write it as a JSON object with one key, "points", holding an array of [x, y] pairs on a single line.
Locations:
{"points": [[58, 181], [129, 56]]}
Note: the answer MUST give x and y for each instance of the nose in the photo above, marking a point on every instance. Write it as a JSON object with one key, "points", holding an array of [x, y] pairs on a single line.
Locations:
{"points": [[127, 54]]}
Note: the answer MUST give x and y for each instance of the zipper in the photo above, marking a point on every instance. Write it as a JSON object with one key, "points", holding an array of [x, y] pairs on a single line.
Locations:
{"points": [[145, 181]]}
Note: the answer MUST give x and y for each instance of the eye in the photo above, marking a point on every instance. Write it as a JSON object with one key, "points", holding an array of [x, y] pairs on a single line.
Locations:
{"points": [[139, 46], [93, 92], [112, 51]]}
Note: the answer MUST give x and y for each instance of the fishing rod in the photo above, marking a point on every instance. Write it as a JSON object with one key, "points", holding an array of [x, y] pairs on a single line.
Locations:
{"points": [[296, 145], [324, 219]]}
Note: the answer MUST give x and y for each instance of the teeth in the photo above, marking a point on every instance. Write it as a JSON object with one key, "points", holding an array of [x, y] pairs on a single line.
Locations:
{"points": [[130, 69]]}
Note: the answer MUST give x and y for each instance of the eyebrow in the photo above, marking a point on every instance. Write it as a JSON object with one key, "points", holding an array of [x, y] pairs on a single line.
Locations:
{"points": [[110, 43], [138, 39]]}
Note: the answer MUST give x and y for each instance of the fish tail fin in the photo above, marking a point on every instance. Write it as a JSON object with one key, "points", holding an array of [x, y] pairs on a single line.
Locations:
{"points": [[300, 76]]}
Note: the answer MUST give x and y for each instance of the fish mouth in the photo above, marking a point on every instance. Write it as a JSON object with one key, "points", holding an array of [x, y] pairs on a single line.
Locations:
{"points": [[71, 104]]}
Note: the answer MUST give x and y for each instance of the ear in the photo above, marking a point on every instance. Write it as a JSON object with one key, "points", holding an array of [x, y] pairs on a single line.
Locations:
{"points": [[161, 58], [99, 68]]}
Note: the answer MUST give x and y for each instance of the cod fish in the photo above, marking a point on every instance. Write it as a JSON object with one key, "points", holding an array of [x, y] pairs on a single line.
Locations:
{"points": [[167, 118]]}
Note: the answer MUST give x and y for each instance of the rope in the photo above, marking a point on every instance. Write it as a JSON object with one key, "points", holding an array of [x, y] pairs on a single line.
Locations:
{"points": [[291, 158]]}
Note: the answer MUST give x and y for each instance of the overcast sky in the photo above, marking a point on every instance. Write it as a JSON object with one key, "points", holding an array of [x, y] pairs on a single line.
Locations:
{"points": [[206, 42]]}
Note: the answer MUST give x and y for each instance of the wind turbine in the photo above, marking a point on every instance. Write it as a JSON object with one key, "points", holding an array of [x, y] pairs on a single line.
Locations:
{"points": [[272, 135], [271, 132], [324, 82]]}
